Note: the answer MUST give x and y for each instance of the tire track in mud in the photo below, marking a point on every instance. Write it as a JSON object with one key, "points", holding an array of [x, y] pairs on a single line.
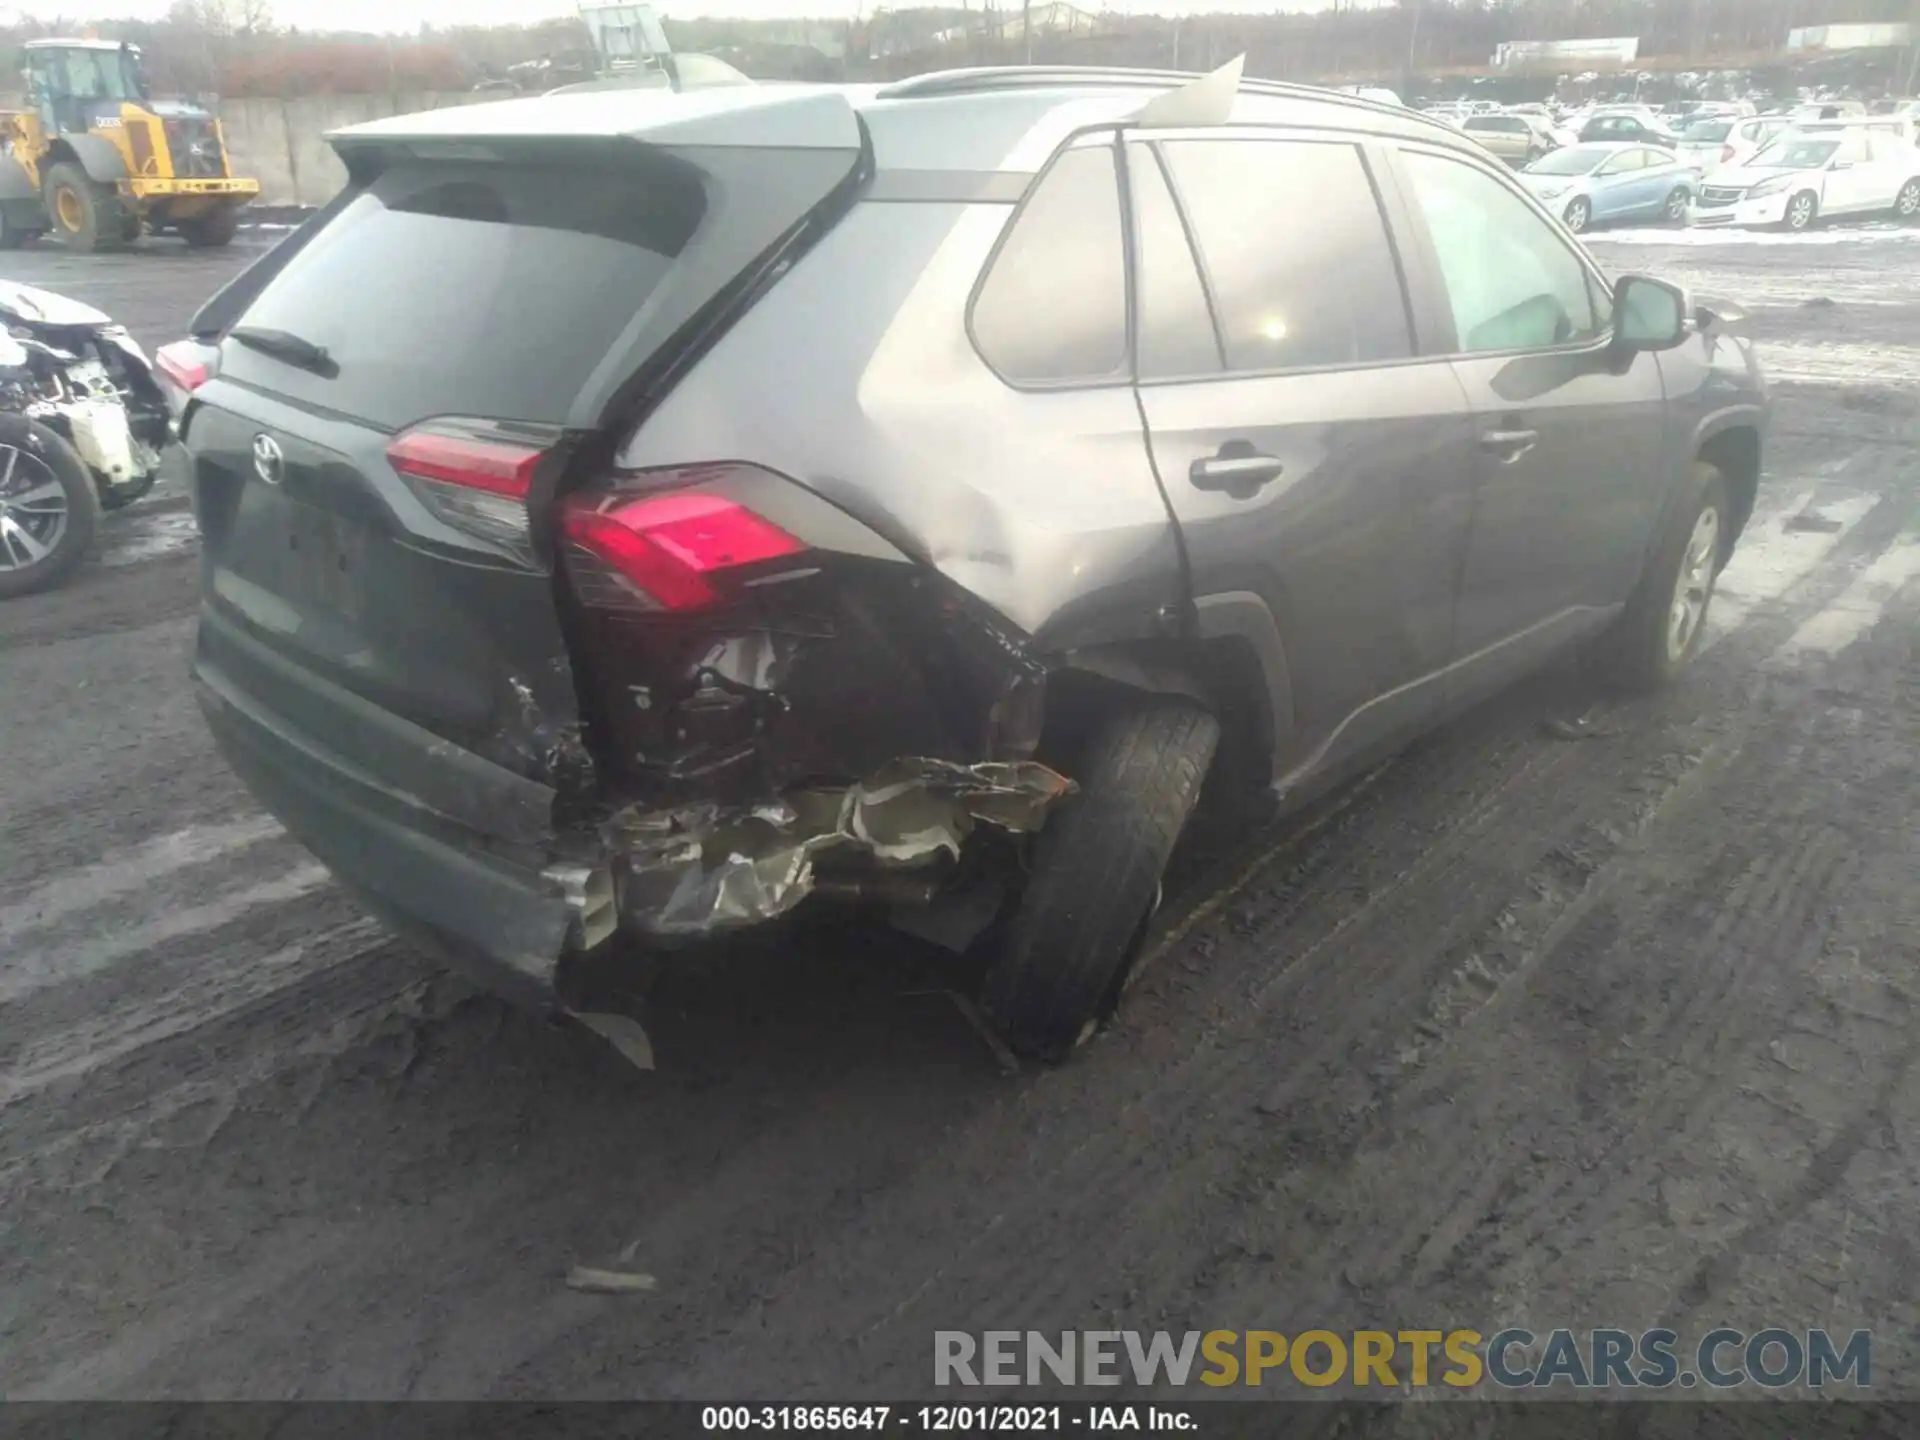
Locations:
{"points": [[1552, 803]]}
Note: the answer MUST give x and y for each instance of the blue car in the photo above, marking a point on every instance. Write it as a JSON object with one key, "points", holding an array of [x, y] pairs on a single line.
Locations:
{"points": [[1596, 184]]}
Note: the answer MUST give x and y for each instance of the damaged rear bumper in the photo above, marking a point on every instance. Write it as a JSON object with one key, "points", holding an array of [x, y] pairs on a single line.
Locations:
{"points": [[457, 857], [701, 870], [458, 854]]}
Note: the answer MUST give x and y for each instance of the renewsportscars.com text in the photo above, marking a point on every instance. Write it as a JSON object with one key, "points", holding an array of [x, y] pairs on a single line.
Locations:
{"points": [[1512, 1358]]}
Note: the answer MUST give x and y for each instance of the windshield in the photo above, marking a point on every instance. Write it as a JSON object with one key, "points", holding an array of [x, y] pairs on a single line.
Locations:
{"points": [[1795, 155], [93, 74], [1576, 160]]}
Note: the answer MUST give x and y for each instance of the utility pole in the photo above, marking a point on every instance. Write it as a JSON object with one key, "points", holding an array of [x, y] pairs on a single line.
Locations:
{"points": [[1026, 27], [1413, 47], [1913, 43]]}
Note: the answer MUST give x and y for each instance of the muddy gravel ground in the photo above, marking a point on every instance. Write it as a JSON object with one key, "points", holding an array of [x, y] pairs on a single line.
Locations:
{"points": [[1525, 1029]]}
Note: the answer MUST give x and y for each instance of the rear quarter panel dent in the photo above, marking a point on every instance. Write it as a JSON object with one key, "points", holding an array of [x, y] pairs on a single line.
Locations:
{"points": [[1042, 506]]}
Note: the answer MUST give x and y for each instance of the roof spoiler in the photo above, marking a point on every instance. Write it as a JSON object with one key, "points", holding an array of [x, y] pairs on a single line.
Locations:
{"points": [[1206, 101]]}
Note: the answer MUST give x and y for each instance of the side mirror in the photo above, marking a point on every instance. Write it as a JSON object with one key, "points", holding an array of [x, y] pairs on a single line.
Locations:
{"points": [[1649, 314]]}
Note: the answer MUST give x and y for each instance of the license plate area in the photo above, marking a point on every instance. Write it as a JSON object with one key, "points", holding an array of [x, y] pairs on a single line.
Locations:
{"points": [[325, 561]]}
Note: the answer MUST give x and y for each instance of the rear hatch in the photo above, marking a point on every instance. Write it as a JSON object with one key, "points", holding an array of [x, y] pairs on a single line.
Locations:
{"points": [[400, 400]]}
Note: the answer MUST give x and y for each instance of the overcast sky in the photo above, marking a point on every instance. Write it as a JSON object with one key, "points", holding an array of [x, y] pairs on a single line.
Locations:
{"points": [[407, 15]]}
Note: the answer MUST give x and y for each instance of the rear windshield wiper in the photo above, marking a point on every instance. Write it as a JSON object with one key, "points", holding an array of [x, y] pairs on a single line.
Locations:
{"points": [[284, 345]]}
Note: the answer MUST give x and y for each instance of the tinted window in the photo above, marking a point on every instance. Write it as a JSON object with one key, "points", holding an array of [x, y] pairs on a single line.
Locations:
{"points": [[1512, 283], [1176, 329], [1054, 306], [464, 289], [1295, 250]]}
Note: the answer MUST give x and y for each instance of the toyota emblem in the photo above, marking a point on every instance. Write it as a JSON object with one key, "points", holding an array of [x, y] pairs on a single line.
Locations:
{"points": [[268, 463]]}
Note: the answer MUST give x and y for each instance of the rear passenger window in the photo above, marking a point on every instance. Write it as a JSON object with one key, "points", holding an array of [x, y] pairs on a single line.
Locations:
{"points": [[1177, 337], [1053, 308], [1295, 250]]}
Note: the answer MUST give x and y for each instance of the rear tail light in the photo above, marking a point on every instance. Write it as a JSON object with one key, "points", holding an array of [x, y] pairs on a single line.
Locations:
{"points": [[1726, 154], [185, 365], [664, 551], [476, 475]]}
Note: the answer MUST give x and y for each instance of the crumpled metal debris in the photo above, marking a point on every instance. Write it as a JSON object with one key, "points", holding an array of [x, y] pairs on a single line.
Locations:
{"points": [[701, 869]]}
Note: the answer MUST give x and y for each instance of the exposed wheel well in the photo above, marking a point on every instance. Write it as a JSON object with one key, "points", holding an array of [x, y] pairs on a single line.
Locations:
{"points": [[1735, 454], [1223, 673]]}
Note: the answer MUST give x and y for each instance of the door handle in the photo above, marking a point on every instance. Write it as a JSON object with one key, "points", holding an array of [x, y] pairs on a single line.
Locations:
{"points": [[1238, 469], [1509, 445]]}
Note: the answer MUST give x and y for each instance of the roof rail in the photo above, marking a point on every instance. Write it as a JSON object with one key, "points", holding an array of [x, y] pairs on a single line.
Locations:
{"points": [[986, 78]]}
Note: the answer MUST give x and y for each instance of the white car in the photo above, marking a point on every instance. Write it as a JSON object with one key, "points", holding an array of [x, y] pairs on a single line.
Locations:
{"points": [[1802, 178], [1715, 143], [1903, 126], [1373, 92]]}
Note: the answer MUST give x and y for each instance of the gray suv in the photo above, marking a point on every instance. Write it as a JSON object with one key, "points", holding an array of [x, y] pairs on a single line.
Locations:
{"points": [[628, 516]]}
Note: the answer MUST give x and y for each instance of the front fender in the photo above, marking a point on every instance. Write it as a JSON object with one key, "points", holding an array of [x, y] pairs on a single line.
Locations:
{"points": [[15, 182], [98, 156]]}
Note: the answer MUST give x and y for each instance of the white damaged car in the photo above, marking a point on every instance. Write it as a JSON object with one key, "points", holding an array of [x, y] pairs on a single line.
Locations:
{"points": [[1803, 177]]}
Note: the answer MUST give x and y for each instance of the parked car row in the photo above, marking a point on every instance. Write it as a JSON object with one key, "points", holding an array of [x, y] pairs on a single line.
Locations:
{"points": [[1789, 178]]}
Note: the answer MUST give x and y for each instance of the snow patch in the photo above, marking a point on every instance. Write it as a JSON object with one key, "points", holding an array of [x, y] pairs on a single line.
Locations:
{"points": [[1713, 235]]}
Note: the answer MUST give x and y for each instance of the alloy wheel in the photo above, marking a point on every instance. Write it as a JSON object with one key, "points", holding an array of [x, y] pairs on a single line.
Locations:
{"points": [[1693, 586], [33, 510], [1800, 212], [1908, 205]]}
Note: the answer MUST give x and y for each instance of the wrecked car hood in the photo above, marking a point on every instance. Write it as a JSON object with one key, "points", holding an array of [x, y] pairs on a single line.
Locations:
{"points": [[43, 307]]}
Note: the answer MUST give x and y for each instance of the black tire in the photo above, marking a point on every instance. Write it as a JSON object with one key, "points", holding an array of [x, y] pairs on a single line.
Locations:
{"points": [[1643, 651], [39, 456], [1674, 212], [118, 497], [1802, 210], [1095, 876], [12, 237], [1906, 205], [100, 221], [212, 230], [1578, 215]]}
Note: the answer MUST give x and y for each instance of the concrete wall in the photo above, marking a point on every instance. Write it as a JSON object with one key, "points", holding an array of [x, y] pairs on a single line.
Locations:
{"points": [[280, 144]]}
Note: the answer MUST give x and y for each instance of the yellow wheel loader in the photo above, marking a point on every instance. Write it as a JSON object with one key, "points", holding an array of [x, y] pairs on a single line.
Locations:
{"points": [[97, 161]]}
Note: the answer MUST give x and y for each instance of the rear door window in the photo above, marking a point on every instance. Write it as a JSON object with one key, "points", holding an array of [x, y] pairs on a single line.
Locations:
{"points": [[1053, 307], [1177, 333], [1295, 252], [461, 288]]}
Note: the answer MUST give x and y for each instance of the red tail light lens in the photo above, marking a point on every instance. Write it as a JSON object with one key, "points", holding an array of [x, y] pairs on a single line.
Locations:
{"points": [[469, 461], [182, 365], [475, 476], [1726, 154], [663, 552]]}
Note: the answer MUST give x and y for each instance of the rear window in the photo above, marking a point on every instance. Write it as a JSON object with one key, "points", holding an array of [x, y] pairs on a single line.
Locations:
{"points": [[472, 289]]}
